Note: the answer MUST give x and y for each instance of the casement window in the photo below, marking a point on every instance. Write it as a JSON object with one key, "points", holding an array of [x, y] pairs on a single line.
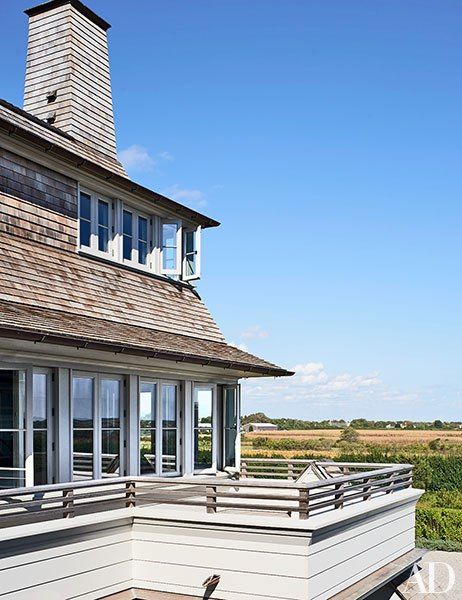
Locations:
{"points": [[171, 247], [191, 254], [96, 224], [136, 238]]}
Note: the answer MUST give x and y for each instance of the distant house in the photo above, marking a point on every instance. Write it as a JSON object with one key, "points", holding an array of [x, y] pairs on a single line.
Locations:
{"points": [[336, 423], [257, 427]]}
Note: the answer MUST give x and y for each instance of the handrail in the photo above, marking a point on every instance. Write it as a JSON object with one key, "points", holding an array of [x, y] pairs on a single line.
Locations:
{"points": [[67, 500]]}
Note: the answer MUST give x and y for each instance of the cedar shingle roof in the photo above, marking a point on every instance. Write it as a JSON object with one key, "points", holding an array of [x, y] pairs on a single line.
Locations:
{"points": [[19, 123], [63, 297], [51, 326]]}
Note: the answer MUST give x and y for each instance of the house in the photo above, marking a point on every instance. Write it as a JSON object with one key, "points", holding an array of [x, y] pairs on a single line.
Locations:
{"points": [[340, 424], [119, 396], [259, 427]]}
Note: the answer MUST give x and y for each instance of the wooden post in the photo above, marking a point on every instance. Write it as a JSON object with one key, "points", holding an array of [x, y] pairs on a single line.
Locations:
{"points": [[303, 502], [338, 495], [290, 471], [367, 487], [130, 500], [211, 498], [243, 469], [68, 504]]}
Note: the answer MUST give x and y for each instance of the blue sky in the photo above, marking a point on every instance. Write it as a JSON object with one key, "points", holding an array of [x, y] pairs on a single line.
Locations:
{"points": [[326, 137]]}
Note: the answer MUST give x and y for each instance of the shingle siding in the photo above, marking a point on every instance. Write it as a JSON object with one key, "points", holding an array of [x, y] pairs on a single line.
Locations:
{"points": [[38, 185]]}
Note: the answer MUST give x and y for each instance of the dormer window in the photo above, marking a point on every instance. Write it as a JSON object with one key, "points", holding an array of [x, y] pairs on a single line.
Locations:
{"points": [[111, 229]]}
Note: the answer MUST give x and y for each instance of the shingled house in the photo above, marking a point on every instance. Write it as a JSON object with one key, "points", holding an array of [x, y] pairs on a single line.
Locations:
{"points": [[110, 363], [119, 397]]}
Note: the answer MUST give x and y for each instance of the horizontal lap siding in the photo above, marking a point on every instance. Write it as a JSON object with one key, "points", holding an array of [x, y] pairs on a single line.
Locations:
{"points": [[65, 569], [38, 185], [350, 554], [251, 565]]}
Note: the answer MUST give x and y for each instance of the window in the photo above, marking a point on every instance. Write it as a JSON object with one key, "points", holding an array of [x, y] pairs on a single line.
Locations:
{"points": [[230, 425], [95, 224], [191, 254], [171, 231], [135, 236]]}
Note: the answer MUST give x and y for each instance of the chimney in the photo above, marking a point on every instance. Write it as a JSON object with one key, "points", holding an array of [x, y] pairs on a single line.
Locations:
{"points": [[67, 73]]}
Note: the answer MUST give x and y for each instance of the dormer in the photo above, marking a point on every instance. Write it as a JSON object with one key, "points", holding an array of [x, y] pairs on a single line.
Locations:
{"points": [[135, 235]]}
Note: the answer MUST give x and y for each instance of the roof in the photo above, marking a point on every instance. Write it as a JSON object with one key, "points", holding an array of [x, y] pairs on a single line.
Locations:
{"points": [[46, 6], [54, 142], [62, 297], [56, 327], [262, 424]]}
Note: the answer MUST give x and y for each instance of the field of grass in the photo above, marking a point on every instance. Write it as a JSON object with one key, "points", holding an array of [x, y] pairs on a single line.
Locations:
{"points": [[436, 455]]}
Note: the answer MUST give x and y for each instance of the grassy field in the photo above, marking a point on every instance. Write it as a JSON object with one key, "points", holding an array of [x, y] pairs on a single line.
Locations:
{"points": [[436, 456]]}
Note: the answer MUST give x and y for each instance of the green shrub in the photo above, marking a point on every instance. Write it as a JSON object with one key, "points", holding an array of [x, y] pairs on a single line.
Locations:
{"points": [[446, 545], [439, 523]]}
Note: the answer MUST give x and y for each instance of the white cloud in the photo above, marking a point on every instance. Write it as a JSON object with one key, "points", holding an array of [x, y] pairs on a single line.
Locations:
{"points": [[137, 158], [240, 346], [255, 332], [164, 155], [193, 197]]}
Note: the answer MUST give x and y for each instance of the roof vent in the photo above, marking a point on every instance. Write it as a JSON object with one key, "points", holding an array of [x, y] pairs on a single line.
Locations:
{"points": [[51, 118], [51, 96]]}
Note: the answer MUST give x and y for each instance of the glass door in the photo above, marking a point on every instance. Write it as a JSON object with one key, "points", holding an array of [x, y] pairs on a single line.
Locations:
{"points": [[230, 425], [42, 422], [204, 434], [98, 426], [159, 428], [12, 429]]}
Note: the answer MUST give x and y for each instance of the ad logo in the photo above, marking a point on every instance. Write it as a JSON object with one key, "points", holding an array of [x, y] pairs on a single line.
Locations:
{"points": [[431, 578]]}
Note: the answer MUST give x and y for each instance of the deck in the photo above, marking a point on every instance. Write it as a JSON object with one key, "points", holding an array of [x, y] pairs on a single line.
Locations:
{"points": [[305, 537]]}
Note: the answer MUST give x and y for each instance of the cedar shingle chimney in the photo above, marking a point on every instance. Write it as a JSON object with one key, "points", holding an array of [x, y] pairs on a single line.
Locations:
{"points": [[67, 74]]}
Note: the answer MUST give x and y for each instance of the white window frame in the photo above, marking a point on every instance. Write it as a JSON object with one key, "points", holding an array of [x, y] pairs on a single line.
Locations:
{"points": [[197, 240], [97, 426], [179, 239], [134, 261], [50, 429], [159, 428], [94, 235], [214, 427]]}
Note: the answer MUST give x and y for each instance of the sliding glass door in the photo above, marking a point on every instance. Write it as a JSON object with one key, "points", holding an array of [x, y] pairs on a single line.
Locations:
{"points": [[43, 426], [230, 425], [97, 417], [159, 427]]}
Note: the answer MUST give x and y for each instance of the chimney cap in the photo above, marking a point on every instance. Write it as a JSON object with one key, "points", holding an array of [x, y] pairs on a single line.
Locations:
{"points": [[46, 6]]}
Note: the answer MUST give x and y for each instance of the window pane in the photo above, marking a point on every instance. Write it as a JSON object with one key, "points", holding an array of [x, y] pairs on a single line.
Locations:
{"points": [[127, 223], [169, 231], [230, 416], [83, 454], [40, 458], [12, 400], [82, 401], [147, 405], [230, 447], [169, 450], [103, 239], [85, 206], [202, 407], [190, 242], [169, 259], [85, 233], [103, 213], [110, 403], [202, 449], [39, 397], [168, 406], [142, 252], [142, 229], [127, 247], [110, 452], [190, 265], [147, 451]]}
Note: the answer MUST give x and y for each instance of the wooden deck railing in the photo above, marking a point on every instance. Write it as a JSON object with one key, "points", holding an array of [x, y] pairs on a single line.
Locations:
{"points": [[276, 497]]}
